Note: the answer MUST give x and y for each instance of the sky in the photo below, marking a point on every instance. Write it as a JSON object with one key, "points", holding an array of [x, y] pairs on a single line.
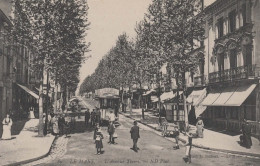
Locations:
{"points": [[109, 19]]}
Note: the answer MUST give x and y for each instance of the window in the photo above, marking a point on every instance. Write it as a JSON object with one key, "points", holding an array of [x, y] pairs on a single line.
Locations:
{"points": [[233, 59], [247, 55], [221, 62], [232, 21], [220, 27], [244, 13], [201, 66]]}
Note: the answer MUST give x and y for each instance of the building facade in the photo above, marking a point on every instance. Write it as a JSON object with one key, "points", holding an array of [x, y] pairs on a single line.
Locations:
{"points": [[6, 68], [230, 70], [17, 80]]}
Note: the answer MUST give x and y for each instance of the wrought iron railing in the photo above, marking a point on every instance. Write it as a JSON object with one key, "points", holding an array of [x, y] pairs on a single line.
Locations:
{"points": [[242, 72]]}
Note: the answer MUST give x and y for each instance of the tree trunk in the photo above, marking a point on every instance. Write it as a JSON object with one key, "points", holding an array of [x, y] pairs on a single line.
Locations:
{"points": [[130, 100], [184, 102], [41, 95], [55, 94], [178, 94]]}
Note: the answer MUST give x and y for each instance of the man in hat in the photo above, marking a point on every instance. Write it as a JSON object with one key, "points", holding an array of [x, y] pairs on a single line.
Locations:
{"points": [[135, 135]]}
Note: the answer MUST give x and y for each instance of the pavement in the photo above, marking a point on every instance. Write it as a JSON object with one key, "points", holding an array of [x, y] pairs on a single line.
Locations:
{"points": [[25, 146], [212, 140]]}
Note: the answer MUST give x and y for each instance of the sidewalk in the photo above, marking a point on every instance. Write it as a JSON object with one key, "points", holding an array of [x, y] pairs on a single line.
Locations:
{"points": [[26, 146], [212, 140]]}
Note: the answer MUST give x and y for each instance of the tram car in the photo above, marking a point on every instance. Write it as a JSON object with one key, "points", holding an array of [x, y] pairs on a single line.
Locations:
{"points": [[108, 99]]}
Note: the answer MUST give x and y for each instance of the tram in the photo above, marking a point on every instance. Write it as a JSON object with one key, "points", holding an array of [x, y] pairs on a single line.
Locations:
{"points": [[108, 99]]}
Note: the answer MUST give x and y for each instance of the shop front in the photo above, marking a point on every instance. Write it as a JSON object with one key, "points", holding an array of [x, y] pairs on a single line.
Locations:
{"points": [[228, 107]]}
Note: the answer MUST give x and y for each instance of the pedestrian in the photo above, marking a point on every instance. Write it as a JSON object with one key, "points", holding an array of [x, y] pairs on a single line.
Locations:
{"points": [[98, 141], [95, 131], [135, 135], [246, 131], [7, 125], [61, 123], [31, 115], [67, 125], [188, 145], [164, 127], [54, 124], [200, 127], [87, 116], [112, 116], [111, 131], [175, 135]]}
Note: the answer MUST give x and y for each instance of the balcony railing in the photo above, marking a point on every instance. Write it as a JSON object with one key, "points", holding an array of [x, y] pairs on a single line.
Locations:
{"points": [[242, 72], [200, 80]]}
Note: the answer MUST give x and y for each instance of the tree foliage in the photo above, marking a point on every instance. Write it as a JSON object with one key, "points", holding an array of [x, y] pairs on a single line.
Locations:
{"points": [[55, 31]]}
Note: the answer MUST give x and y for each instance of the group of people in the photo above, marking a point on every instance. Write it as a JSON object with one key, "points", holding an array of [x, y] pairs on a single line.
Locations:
{"points": [[94, 117], [111, 129], [60, 124]]}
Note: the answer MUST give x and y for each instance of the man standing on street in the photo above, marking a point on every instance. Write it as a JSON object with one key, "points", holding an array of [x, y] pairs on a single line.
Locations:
{"points": [[111, 131], [135, 135]]}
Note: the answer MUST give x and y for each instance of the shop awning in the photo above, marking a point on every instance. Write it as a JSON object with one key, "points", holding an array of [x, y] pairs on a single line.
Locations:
{"points": [[154, 99], [211, 98], [29, 91], [168, 96], [196, 96], [199, 110], [224, 96], [240, 95]]}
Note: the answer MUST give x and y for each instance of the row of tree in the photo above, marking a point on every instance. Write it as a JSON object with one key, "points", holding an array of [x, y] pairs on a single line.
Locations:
{"points": [[55, 32], [168, 34]]}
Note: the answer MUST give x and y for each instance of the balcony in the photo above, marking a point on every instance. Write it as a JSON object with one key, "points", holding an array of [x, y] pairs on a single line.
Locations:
{"points": [[242, 72], [200, 80]]}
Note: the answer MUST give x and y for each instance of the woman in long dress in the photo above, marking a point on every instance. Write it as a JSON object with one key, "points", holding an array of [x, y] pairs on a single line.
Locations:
{"points": [[200, 127], [54, 125], [7, 124]]}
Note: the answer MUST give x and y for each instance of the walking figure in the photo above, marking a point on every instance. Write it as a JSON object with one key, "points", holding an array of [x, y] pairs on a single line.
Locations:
{"points": [[99, 144], [188, 145], [135, 135]]}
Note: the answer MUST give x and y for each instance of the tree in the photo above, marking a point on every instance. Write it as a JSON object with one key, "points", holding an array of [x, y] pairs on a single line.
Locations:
{"points": [[56, 30], [176, 26]]}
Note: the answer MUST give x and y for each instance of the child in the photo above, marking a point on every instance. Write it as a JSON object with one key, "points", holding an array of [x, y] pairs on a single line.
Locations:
{"points": [[99, 144], [188, 146]]}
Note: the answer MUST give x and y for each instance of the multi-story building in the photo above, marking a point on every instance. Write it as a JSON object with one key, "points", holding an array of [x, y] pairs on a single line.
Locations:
{"points": [[6, 69], [16, 78], [230, 70]]}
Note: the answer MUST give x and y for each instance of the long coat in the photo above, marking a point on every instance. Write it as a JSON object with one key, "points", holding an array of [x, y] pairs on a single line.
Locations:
{"points": [[135, 132]]}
